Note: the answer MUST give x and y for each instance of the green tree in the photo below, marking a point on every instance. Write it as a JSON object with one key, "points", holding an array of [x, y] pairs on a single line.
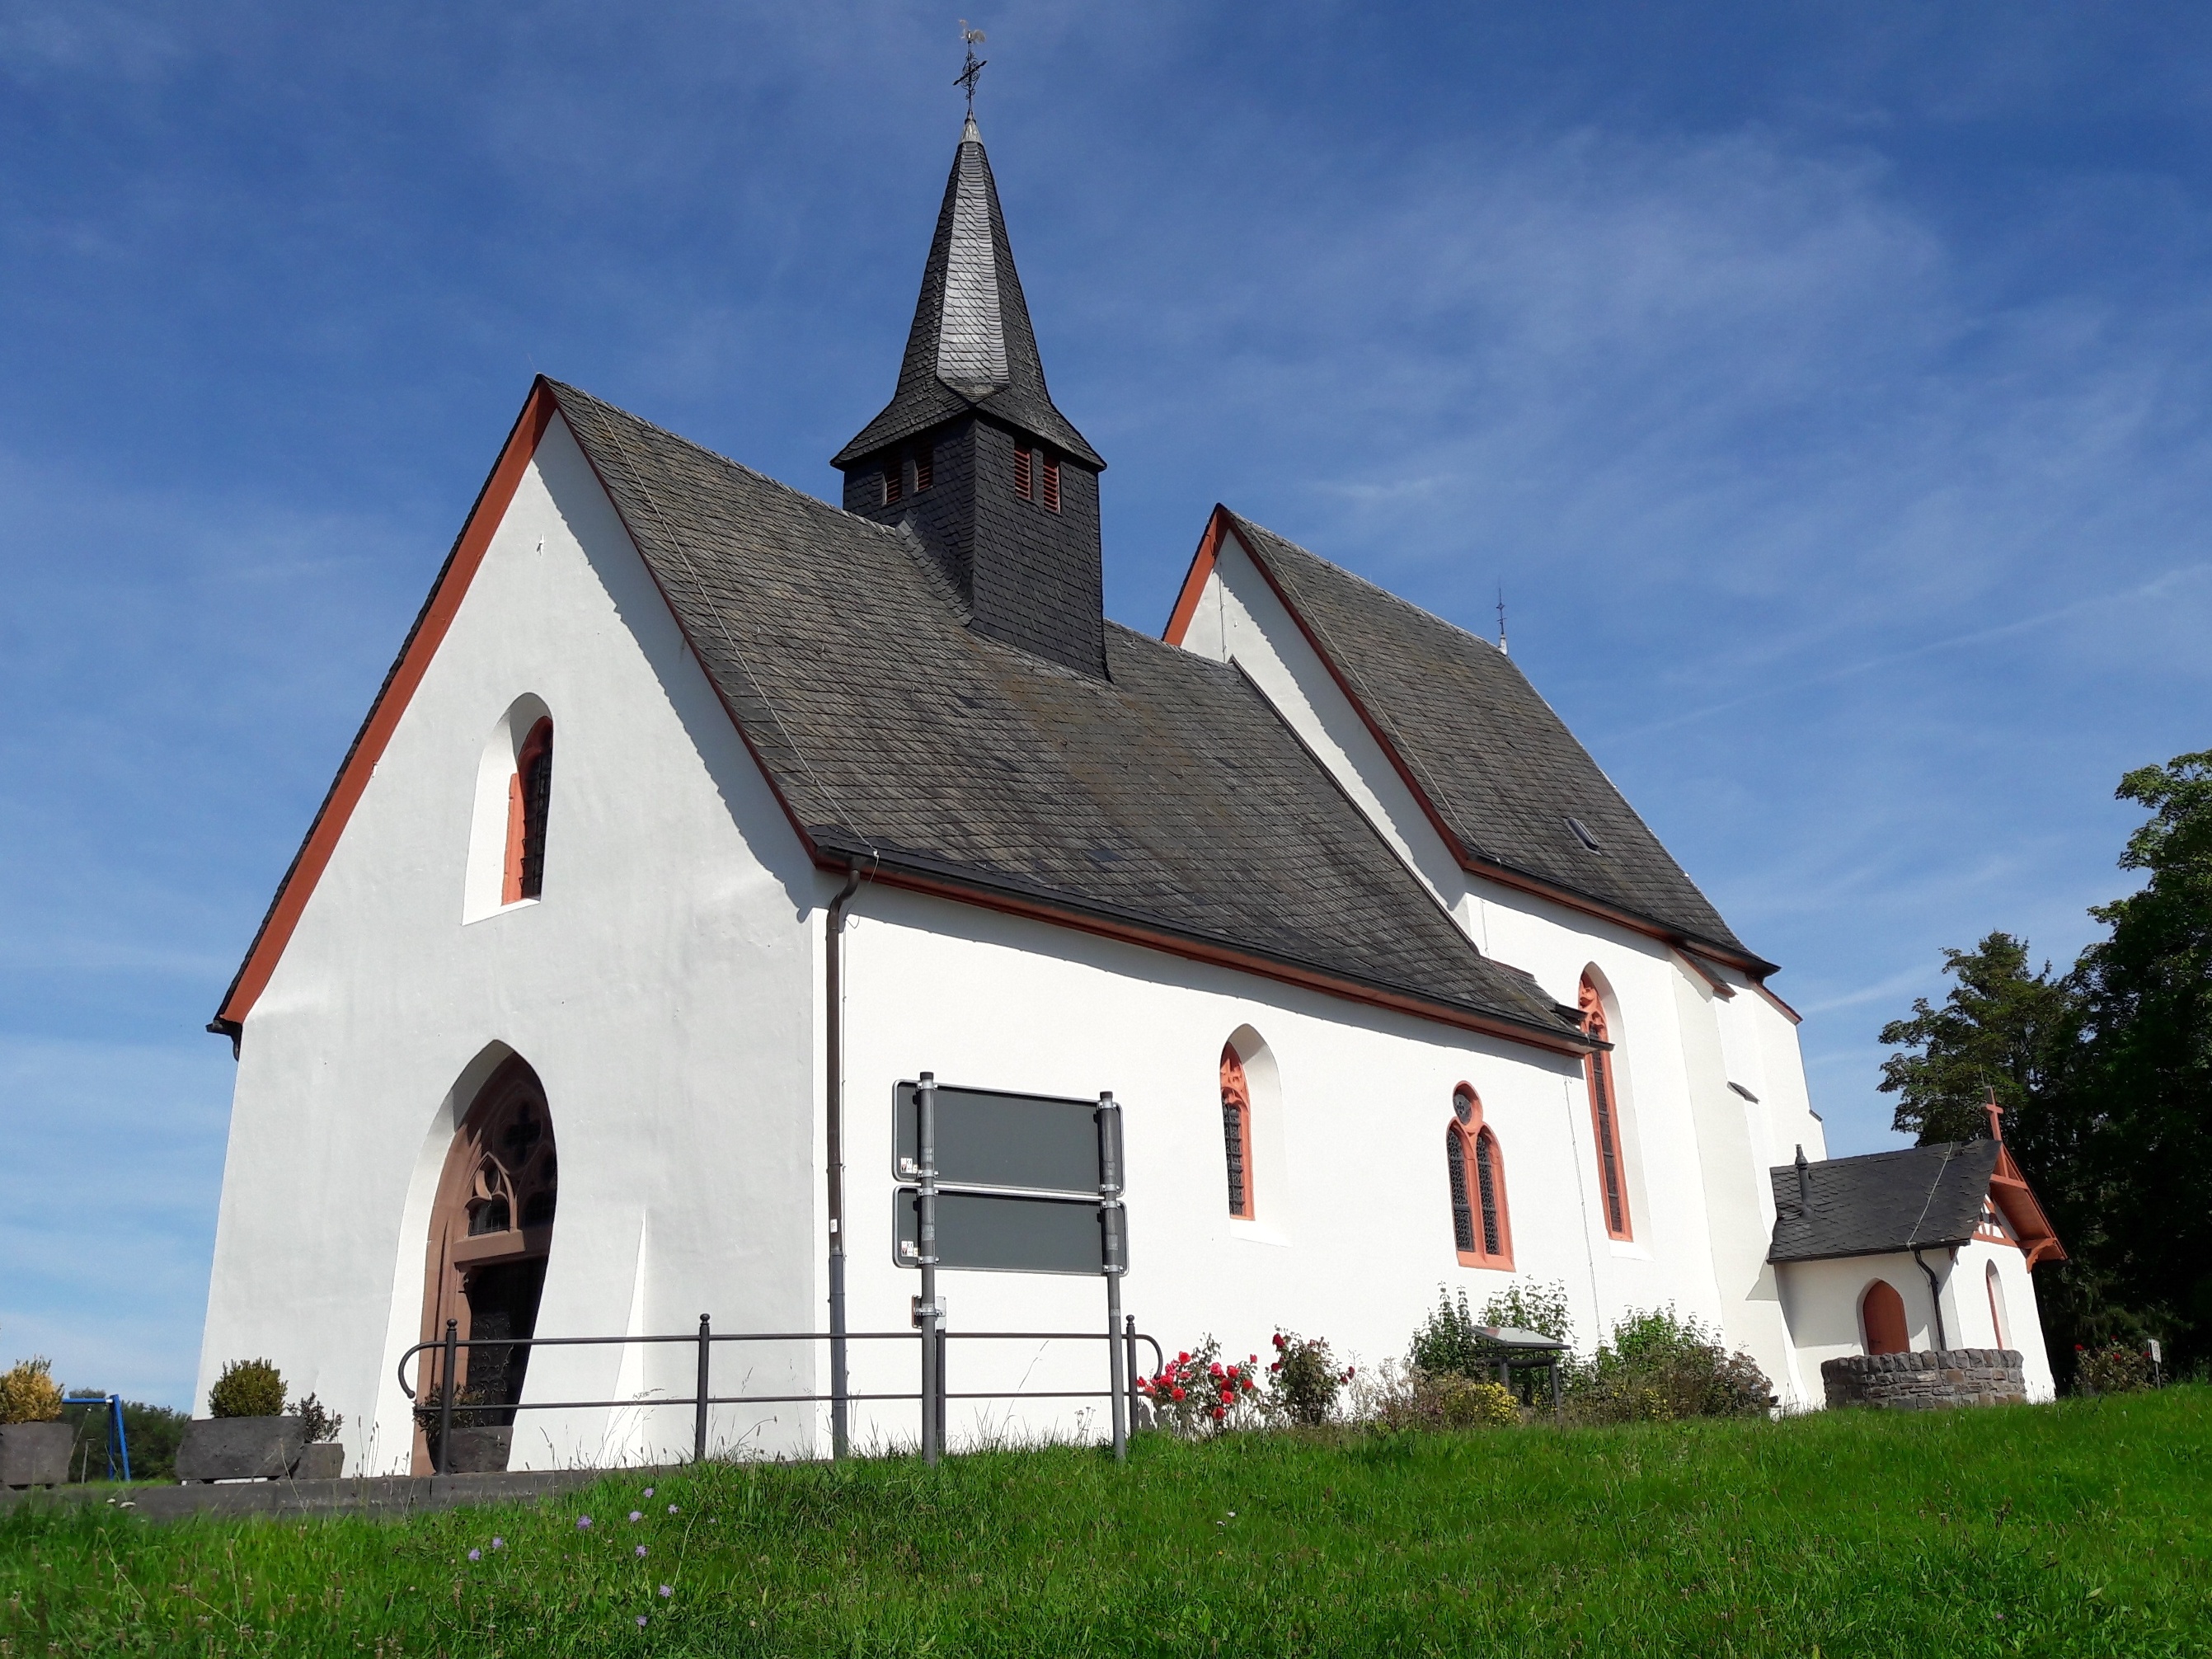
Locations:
{"points": [[2146, 1083], [2004, 1027]]}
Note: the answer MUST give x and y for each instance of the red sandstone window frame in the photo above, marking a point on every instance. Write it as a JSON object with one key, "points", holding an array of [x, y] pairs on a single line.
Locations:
{"points": [[1598, 1068], [527, 808], [1471, 1149], [1236, 1135]]}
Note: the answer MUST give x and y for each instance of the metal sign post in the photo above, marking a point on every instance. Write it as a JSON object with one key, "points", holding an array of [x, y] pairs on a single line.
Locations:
{"points": [[998, 1182], [1114, 1263], [925, 1108]]}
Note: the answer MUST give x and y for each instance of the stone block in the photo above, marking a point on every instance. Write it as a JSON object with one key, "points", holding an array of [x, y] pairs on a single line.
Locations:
{"points": [[241, 1447]]}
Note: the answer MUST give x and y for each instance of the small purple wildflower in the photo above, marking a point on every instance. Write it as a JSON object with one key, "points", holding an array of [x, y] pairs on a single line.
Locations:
{"points": [[648, 1491], [667, 1590], [636, 1516], [476, 1555], [640, 1552], [583, 1523], [640, 1621], [499, 1543], [672, 1508]]}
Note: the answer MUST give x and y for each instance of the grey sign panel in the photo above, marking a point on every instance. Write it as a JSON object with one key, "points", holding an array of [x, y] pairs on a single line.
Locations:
{"points": [[1011, 1233], [985, 1138]]}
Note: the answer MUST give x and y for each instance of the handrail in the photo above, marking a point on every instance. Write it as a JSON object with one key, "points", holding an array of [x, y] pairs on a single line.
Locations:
{"points": [[453, 1343]]}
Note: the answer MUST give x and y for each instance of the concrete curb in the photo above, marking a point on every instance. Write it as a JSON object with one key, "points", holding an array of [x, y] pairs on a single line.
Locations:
{"points": [[389, 1497]]}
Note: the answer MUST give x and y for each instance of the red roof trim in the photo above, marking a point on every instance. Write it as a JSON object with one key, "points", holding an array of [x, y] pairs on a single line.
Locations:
{"points": [[421, 644], [1193, 584]]}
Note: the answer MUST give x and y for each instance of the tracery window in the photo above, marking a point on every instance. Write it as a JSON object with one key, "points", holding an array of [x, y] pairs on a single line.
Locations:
{"points": [[1604, 1117], [530, 800], [1476, 1172], [1237, 1133]]}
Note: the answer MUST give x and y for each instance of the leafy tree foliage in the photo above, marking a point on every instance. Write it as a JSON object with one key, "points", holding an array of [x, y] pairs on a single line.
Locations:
{"points": [[2004, 1027], [2106, 1073]]}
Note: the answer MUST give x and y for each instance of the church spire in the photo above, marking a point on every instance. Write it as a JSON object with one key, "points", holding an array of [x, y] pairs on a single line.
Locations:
{"points": [[972, 455], [971, 346]]}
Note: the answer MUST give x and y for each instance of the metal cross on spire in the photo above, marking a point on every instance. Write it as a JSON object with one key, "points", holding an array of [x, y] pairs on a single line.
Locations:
{"points": [[973, 39]]}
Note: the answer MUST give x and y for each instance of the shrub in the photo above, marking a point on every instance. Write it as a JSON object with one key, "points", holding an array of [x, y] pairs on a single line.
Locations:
{"points": [[1302, 1381], [2112, 1368], [1392, 1398], [1195, 1395], [248, 1387], [322, 1424], [1657, 1366], [1450, 1340], [28, 1392]]}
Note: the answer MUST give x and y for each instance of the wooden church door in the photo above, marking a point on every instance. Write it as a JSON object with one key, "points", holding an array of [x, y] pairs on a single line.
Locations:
{"points": [[491, 1231]]}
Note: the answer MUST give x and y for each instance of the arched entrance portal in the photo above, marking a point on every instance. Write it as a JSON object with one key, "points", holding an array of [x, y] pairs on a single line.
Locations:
{"points": [[490, 1231]]}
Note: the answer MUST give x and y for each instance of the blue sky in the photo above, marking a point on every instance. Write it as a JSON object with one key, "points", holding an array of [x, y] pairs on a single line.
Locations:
{"points": [[1825, 385]]}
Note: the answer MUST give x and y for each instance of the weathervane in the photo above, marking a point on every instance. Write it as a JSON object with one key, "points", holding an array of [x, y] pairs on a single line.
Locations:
{"points": [[1501, 620], [973, 38]]}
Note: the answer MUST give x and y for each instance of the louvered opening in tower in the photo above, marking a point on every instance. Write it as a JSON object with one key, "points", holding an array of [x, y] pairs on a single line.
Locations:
{"points": [[1021, 487], [1052, 484]]}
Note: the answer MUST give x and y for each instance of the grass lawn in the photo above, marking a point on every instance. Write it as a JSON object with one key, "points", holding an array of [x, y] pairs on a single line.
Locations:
{"points": [[2084, 1527]]}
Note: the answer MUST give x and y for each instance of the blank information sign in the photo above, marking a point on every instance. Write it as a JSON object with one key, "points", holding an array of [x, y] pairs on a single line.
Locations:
{"points": [[992, 1232], [986, 1138]]}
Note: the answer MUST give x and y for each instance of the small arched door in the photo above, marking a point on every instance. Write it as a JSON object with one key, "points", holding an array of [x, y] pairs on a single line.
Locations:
{"points": [[490, 1233], [1881, 1315]]}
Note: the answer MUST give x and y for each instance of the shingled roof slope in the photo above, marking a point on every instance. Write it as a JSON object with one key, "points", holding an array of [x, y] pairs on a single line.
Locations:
{"points": [[1171, 794], [972, 346], [1882, 1201], [1499, 767]]}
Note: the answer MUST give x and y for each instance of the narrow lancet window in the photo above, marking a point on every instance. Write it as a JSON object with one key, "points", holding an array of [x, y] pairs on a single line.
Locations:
{"points": [[1605, 1117], [529, 799], [1237, 1133]]}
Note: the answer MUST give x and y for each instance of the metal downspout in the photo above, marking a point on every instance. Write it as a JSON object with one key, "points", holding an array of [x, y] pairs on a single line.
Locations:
{"points": [[1935, 1298], [840, 1425]]}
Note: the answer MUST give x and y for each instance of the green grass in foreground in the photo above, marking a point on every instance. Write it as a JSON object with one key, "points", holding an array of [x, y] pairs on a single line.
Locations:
{"points": [[2084, 1527]]}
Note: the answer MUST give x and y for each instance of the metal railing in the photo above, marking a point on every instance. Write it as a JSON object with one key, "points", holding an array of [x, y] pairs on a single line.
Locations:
{"points": [[933, 1396]]}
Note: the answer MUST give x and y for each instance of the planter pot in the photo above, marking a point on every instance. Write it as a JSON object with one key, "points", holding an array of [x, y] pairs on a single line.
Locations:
{"points": [[477, 1451], [35, 1454], [241, 1447], [324, 1460]]}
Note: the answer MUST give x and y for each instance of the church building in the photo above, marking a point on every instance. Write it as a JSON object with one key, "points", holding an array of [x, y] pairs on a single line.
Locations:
{"points": [[697, 813]]}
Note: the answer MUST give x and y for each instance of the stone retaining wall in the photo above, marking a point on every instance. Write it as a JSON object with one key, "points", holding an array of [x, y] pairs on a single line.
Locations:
{"points": [[1927, 1381]]}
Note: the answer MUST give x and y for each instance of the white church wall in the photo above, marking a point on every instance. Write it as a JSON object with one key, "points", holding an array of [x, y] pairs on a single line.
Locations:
{"points": [[673, 889], [1697, 1182], [1352, 1233], [2017, 1322]]}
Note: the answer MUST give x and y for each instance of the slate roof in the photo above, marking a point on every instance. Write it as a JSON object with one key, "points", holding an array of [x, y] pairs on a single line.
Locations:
{"points": [[1170, 794], [1499, 767], [972, 347], [1882, 1201]]}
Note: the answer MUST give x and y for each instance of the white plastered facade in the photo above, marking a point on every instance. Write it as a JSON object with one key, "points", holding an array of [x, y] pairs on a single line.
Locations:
{"points": [[668, 989]]}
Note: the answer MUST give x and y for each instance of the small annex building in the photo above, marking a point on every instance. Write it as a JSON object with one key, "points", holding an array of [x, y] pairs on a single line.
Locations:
{"points": [[696, 813]]}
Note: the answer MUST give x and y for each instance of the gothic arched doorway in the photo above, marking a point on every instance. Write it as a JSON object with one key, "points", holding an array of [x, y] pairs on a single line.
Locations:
{"points": [[491, 1230]]}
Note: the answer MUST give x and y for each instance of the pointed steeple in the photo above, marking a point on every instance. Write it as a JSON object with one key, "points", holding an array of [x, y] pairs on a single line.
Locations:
{"points": [[971, 346], [970, 454]]}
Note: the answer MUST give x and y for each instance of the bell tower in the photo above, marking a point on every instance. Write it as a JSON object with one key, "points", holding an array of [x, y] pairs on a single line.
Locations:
{"points": [[972, 455]]}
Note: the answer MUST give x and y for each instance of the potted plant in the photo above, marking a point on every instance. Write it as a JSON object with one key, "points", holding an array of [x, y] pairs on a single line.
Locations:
{"points": [[322, 1458], [480, 1442], [246, 1435], [35, 1442]]}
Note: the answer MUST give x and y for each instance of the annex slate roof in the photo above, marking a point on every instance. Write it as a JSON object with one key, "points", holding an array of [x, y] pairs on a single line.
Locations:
{"points": [[1882, 1201], [1170, 795], [1499, 767], [971, 346]]}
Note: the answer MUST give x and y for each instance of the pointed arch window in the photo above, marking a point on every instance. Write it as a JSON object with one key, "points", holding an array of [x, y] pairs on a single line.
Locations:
{"points": [[1237, 1133], [1474, 1168], [1604, 1117], [2000, 1327], [529, 800]]}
